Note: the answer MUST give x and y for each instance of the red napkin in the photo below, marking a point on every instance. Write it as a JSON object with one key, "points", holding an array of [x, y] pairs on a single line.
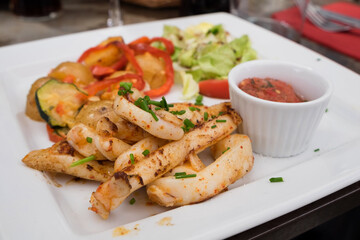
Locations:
{"points": [[345, 42]]}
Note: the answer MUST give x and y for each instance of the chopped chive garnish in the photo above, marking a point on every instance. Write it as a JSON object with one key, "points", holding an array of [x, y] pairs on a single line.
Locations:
{"points": [[132, 201], [221, 120], [82, 161], [221, 113], [213, 116], [180, 174], [154, 103], [194, 109], [143, 104], [213, 126], [125, 87], [326, 110], [198, 100], [316, 150], [185, 176], [276, 179], [158, 108], [178, 112], [206, 116], [146, 152], [187, 125], [225, 150], [164, 103], [89, 139], [132, 159], [154, 115]]}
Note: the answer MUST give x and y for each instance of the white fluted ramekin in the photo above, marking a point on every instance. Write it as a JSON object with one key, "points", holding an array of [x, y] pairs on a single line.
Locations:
{"points": [[280, 129]]}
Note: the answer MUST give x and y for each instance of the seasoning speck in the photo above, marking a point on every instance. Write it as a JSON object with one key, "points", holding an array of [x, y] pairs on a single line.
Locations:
{"points": [[120, 231], [166, 221]]}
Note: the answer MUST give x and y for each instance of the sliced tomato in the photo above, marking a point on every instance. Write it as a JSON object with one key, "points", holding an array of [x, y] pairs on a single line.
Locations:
{"points": [[215, 88]]}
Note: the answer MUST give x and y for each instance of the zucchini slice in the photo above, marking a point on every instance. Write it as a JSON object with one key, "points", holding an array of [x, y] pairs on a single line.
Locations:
{"points": [[59, 102]]}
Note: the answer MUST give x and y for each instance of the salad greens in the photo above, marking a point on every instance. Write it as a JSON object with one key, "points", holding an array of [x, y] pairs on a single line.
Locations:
{"points": [[205, 51]]}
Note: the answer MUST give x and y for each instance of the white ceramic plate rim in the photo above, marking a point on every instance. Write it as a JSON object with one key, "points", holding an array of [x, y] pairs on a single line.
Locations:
{"points": [[29, 211]]}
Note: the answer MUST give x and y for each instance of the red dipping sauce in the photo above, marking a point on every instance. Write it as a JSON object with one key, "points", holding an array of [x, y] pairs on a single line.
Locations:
{"points": [[270, 89]]}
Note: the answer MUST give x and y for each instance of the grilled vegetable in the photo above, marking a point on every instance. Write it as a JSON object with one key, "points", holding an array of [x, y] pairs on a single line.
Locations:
{"points": [[58, 103]]}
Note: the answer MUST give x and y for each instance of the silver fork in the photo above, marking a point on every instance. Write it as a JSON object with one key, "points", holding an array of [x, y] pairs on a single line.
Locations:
{"points": [[318, 20]]}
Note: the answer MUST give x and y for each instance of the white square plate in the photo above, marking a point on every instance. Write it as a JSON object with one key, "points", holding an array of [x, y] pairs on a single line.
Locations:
{"points": [[31, 208]]}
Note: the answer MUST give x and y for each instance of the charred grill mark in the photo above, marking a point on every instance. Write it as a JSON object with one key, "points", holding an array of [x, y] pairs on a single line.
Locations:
{"points": [[112, 125], [110, 144], [103, 109], [157, 172], [122, 176], [128, 168], [100, 163], [139, 178], [65, 148], [89, 167]]}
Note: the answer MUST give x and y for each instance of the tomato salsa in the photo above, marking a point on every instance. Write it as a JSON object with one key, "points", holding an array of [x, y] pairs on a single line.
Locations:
{"points": [[270, 89]]}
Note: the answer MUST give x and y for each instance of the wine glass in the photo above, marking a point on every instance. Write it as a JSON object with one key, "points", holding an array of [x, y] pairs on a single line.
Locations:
{"points": [[259, 12], [115, 18]]}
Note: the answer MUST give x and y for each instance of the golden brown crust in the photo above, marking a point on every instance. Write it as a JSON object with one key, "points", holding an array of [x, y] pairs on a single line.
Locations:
{"points": [[59, 157], [31, 109]]}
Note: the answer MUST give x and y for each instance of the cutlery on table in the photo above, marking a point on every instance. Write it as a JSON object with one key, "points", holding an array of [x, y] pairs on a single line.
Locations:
{"points": [[340, 18], [321, 22]]}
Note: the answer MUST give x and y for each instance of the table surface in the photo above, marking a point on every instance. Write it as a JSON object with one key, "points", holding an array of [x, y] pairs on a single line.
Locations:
{"points": [[84, 15]]}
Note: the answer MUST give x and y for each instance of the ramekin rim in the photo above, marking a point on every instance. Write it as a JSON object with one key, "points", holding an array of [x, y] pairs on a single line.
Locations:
{"points": [[320, 99]]}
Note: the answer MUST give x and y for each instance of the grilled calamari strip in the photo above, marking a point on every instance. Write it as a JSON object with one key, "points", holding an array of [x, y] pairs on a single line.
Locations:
{"points": [[110, 147], [235, 161], [137, 150], [196, 115], [102, 147], [100, 115], [161, 128], [121, 129], [61, 155], [109, 195], [185, 167]]}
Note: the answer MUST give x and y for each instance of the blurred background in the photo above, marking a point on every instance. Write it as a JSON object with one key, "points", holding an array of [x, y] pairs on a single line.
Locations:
{"points": [[73, 16]]}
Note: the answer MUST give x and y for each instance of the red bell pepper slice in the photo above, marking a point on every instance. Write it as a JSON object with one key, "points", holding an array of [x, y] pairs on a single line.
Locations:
{"points": [[130, 56], [168, 44], [141, 48], [88, 52], [100, 71], [120, 64], [143, 39], [52, 135], [96, 87], [216, 88], [69, 79]]}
